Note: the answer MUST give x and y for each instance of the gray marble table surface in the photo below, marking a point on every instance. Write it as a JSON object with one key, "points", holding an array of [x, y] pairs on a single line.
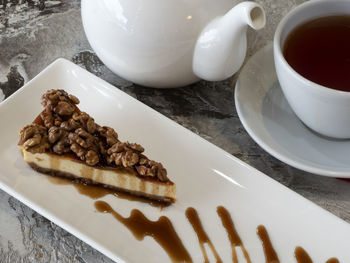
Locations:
{"points": [[33, 33]]}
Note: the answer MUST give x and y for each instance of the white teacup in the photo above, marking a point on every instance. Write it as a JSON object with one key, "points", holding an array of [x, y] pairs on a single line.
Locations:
{"points": [[324, 110]]}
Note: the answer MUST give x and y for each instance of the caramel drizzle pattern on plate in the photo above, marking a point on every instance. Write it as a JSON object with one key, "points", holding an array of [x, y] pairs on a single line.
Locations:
{"points": [[233, 236], [161, 230], [270, 253], [301, 255], [271, 256], [332, 260], [146, 227], [202, 236]]}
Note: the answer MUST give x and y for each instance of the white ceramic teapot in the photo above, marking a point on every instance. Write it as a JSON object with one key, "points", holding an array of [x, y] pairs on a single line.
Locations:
{"points": [[170, 43]]}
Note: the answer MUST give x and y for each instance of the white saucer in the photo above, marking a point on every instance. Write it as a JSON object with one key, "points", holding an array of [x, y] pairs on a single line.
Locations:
{"points": [[269, 120]]}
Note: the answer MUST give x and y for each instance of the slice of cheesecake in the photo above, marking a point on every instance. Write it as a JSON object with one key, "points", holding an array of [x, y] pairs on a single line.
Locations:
{"points": [[64, 141]]}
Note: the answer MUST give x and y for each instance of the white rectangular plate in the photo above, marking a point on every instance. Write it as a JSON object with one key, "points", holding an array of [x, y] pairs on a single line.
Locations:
{"points": [[205, 175]]}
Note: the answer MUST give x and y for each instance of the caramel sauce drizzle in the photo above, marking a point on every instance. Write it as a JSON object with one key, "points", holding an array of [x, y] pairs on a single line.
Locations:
{"points": [[203, 238], [270, 253], [301, 255], [233, 236], [162, 231]]}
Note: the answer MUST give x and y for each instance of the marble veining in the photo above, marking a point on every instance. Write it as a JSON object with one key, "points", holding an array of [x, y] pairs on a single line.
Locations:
{"points": [[33, 33]]}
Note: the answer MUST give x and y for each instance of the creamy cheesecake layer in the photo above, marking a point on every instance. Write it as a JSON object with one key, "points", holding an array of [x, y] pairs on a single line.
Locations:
{"points": [[114, 178]]}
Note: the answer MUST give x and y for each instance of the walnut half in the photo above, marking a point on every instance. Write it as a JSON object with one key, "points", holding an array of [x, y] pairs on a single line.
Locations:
{"points": [[34, 138]]}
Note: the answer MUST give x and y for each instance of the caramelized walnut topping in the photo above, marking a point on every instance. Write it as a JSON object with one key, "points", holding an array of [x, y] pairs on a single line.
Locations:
{"points": [[30, 130], [55, 134], [53, 97], [151, 168], [142, 170], [64, 108], [47, 117], [78, 150], [113, 159], [110, 135], [58, 137], [50, 118], [74, 99], [143, 160], [136, 147], [82, 133], [161, 173], [125, 146], [102, 148], [75, 138], [34, 138], [90, 125], [91, 157], [116, 148], [68, 130], [61, 147], [69, 125], [90, 140], [129, 158], [85, 121], [50, 96], [57, 121]]}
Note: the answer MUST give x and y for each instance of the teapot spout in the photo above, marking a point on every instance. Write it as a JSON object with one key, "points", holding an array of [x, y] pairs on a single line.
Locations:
{"points": [[221, 47]]}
